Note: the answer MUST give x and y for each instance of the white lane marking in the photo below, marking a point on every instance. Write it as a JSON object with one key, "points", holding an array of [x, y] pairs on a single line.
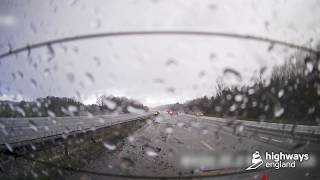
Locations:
{"points": [[207, 145], [262, 137], [276, 140]]}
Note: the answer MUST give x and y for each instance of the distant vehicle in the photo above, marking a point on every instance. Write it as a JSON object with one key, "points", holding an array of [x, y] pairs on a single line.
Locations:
{"points": [[170, 112], [199, 114]]}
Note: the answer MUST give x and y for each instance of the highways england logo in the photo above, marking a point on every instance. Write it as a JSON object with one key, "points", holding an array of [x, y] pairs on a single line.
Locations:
{"points": [[276, 160]]}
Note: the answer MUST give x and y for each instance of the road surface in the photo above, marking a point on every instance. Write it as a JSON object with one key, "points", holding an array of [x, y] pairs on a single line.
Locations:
{"points": [[186, 146]]}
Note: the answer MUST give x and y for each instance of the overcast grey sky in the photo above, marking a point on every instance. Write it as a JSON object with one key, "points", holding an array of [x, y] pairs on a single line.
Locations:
{"points": [[154, 69]]}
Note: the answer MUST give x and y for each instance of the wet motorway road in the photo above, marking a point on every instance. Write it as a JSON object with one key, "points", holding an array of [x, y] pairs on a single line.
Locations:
{"points": [[185, 146]]}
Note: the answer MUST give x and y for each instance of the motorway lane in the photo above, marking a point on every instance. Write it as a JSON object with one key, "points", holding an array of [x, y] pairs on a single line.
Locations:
{"points": [[15, 130], [185, 145]]}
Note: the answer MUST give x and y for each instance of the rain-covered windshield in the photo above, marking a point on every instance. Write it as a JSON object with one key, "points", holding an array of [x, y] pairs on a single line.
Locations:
{"points": [[159, 89]]}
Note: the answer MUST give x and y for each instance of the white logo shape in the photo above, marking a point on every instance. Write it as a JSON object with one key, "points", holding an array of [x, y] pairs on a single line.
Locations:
{"points": [[256, 161]]}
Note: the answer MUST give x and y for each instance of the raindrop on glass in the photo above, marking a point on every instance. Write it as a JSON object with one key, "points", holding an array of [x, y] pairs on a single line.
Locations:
{"points": [[51, 114], [171, 90], [202, 74], [109, 146], [280, 93], [238, 98], [278, 110], [46, 72], [33, 83], [20, 74], [169, 130], [151, 151], [90, 77], [158, 80], [126, 163], [232, 75], [70, 77], [33, 125], [9, 147], [97, 60], [72, 109], [171, 62]]}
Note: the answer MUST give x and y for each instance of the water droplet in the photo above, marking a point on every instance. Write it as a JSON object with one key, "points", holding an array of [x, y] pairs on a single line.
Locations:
{"points": [[90, 115], [34, 174], [232, 76], [212, 7], [180, 124], [33, 125], [238, 97], [72, 109], [33, 28], [251, 91], [20, 74], [280, 93], [109, 103], [132, 109], [46, 72], [45, 172], [126, 163], [171, 90], [75, 49], [263, 70], [233, 107], [9, 147], [90, 77], [33, 83], [97, 61], [202, 74], [218, 108], [131, 138], [51, 114], [70, 77], [311, 110], [20, 111], [109, 146], [159, 119], [73, 2], [50, 52], [96, 24], [204, 131], [151, 151], [309, 66], [3, 128], [212, 56], [171, 62], [158, 80], [169, 130], [33, 147], [240, 128], [10, 48], [35, 66], [46, 128], [13, 75], [278, 110], [271, 47]]}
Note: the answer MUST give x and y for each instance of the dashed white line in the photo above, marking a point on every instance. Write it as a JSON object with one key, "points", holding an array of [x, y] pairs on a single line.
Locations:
{"points": [[276, 140], [207, 145], [262, 137]]}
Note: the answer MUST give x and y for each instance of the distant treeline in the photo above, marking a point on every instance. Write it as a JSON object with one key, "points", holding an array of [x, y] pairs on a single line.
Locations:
{"points": [[291, 96], [62, 106]]}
